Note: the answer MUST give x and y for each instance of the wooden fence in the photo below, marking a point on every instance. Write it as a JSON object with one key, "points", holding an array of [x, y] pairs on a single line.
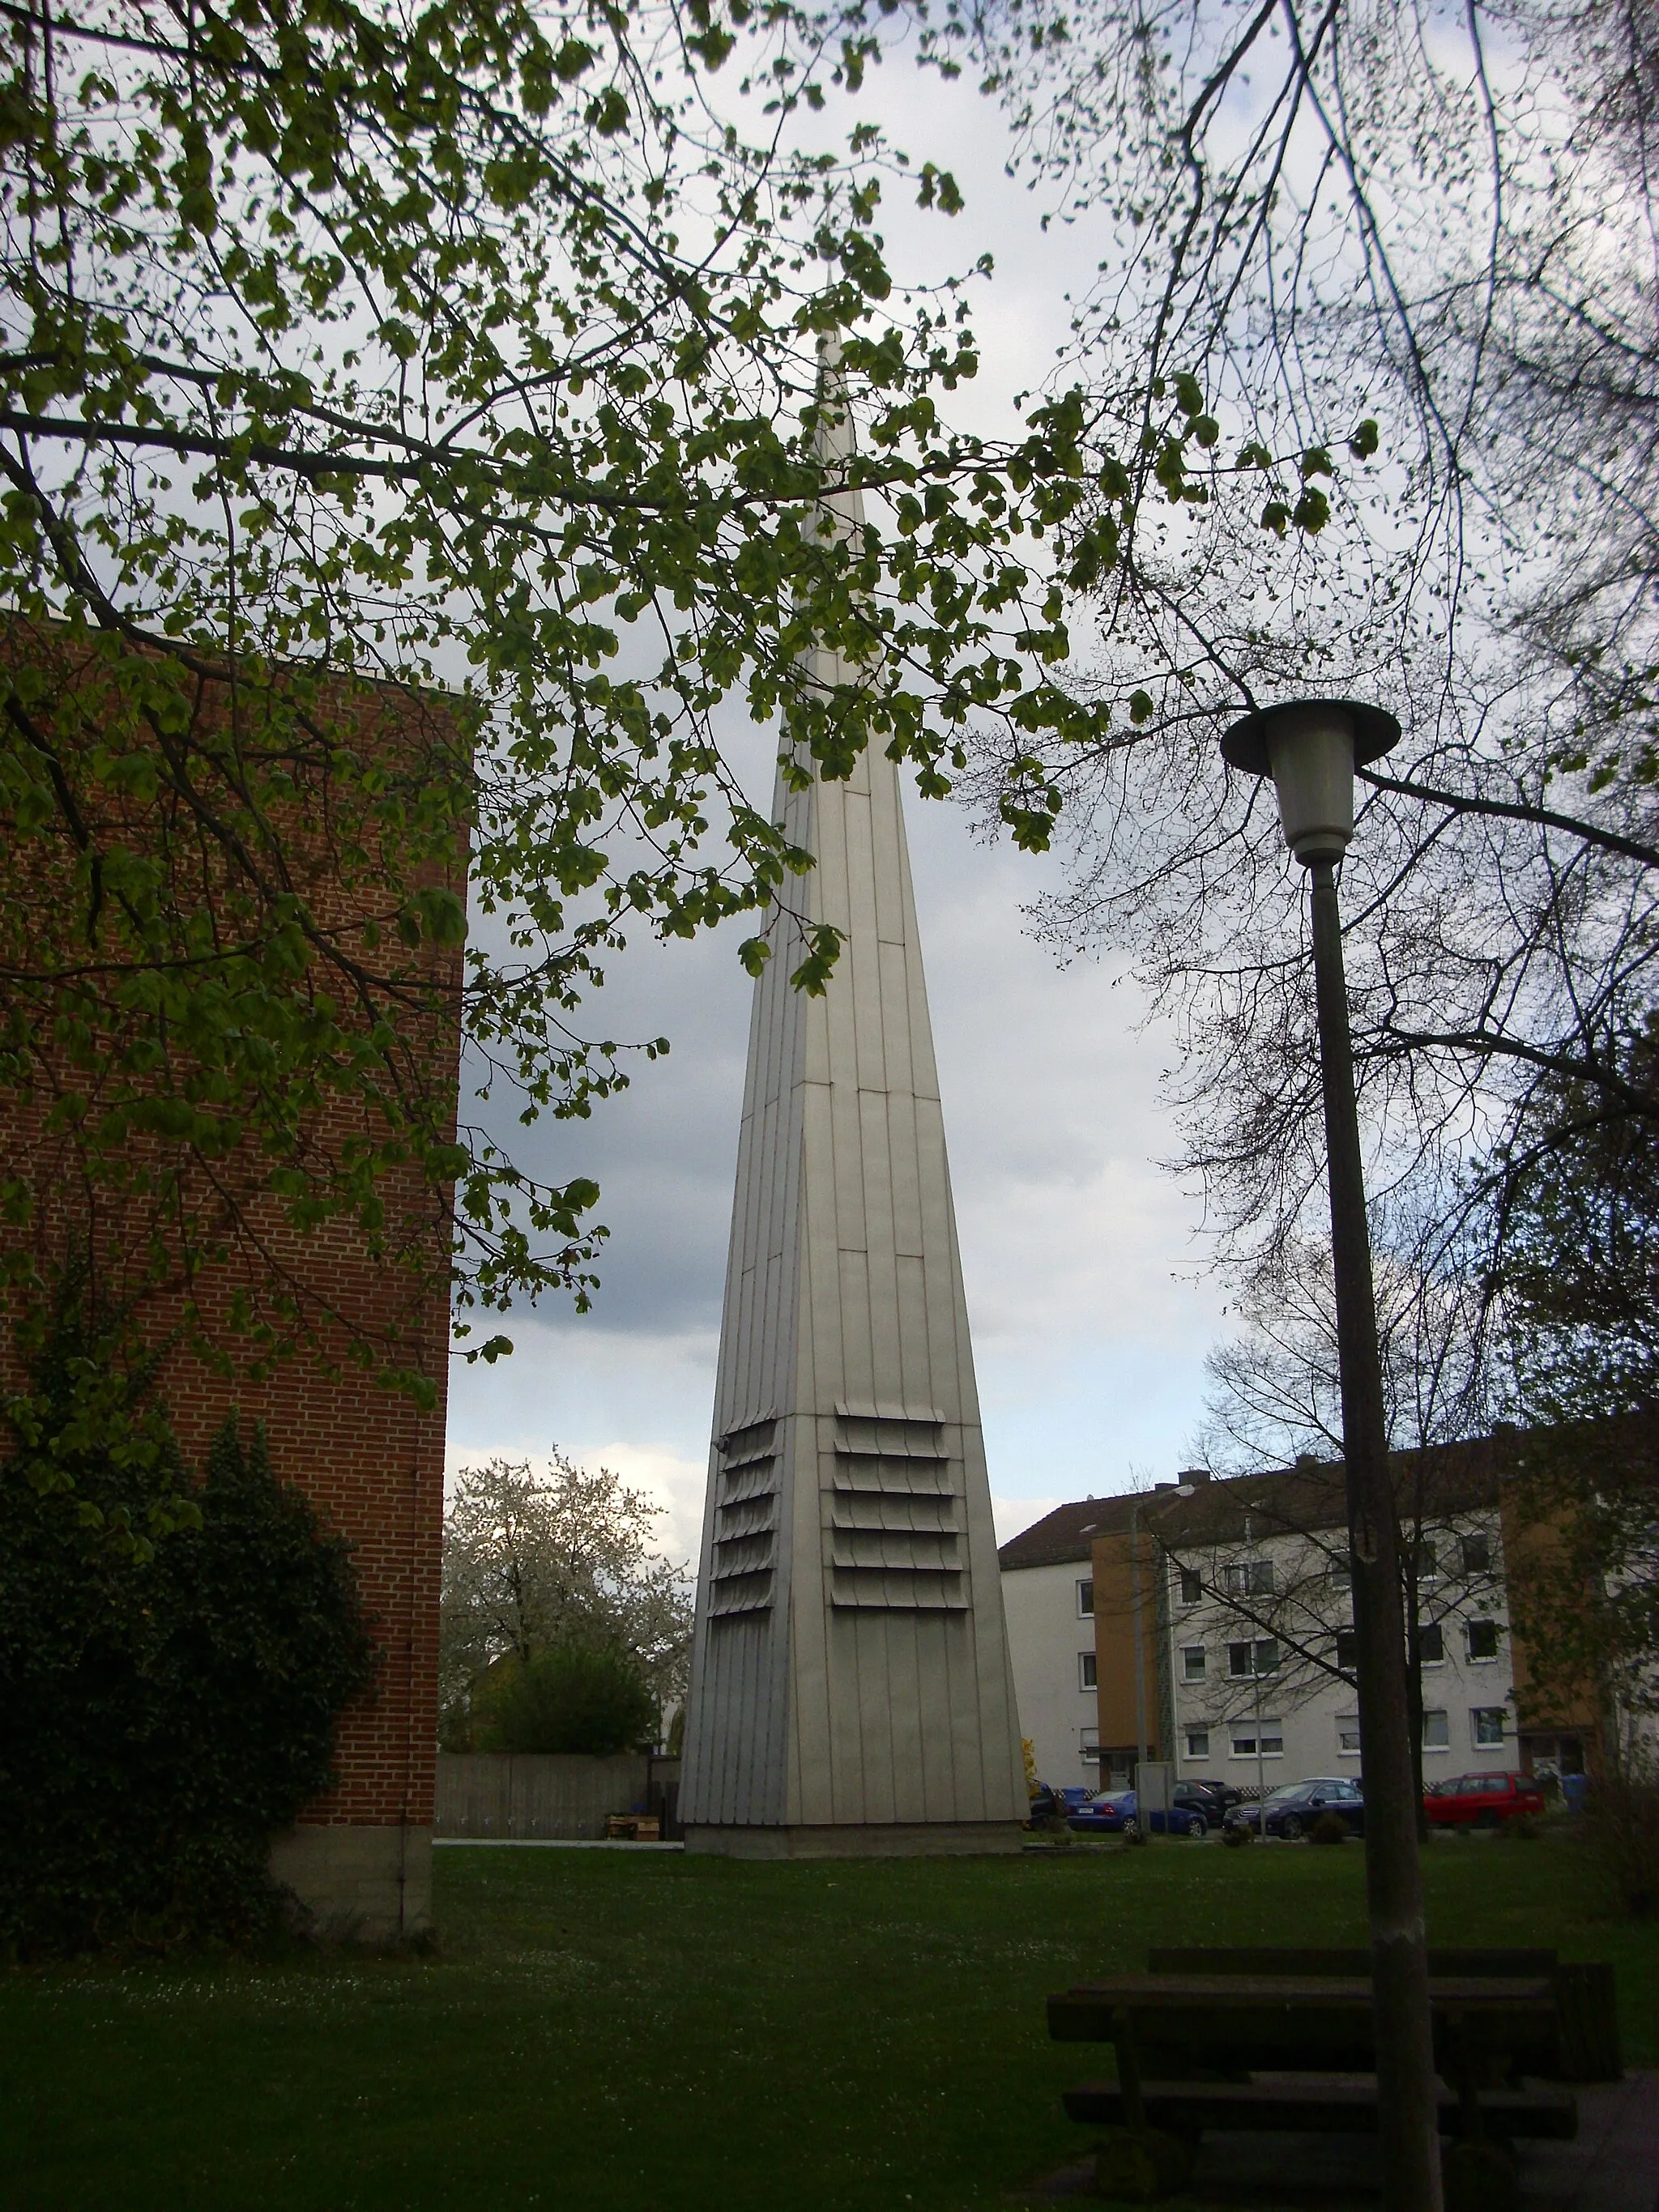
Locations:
{"points": [[551, 1796]]}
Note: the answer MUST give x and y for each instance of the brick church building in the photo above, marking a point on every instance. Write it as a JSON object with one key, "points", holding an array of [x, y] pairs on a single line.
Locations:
{"points": [[369, 1456]]}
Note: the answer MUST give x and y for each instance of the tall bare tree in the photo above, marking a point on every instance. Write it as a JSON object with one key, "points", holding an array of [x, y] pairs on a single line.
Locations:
{"points": [[1370, 372]]}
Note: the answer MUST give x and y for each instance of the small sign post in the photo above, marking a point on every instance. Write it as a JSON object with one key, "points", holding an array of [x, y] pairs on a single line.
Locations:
{"points": [[1153, 1784]]}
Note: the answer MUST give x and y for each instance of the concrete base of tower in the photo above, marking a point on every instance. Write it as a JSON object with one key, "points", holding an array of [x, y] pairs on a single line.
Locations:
{"points": [[874, 1839], [357, 1885]]}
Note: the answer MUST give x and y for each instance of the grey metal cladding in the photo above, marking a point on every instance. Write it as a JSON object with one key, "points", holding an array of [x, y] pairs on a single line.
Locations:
{"points": [[850, 1664]]}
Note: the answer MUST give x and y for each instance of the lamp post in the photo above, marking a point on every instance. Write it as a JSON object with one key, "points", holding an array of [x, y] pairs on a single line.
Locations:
{"points": [[1310, 748]]}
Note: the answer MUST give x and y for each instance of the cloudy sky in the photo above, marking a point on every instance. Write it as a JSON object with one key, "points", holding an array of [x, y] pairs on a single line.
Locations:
{"points": [[1090, 1319]]}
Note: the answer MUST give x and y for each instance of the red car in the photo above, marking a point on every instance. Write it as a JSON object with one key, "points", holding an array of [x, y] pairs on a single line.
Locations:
{"points": [[1481, 1801]]}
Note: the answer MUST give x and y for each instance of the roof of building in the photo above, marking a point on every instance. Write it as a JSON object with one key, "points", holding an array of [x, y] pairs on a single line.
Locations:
{"points": [[1436, 1483], [1067, 1533], [1313, 1496]]}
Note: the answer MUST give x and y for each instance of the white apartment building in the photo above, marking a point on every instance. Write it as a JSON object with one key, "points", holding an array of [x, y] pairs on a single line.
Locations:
{"points": [[1047, 1600], [1256, 1664], [1238, 1591]]}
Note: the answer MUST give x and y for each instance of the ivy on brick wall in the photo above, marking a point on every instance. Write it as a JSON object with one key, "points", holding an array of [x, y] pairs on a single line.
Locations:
{"points": [[168, 1706]]}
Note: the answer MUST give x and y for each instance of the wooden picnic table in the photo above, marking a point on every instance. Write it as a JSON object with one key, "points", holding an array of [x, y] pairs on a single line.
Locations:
{"points": [[1586, 1999], [1487, 2030]]}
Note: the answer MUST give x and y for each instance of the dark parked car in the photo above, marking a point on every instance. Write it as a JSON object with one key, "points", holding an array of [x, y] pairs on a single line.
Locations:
{"points": [[1290, 1812], [1482, 1801], [1115, 1813], [1048, 1801], [1214, 1798]]}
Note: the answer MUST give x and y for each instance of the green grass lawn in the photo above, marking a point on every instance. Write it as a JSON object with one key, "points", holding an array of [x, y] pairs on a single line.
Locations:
{"points": [[657, 2033]]}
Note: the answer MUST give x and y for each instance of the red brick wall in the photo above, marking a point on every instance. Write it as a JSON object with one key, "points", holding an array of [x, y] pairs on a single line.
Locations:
{"points": [[369, 1458], [372, 1464]]}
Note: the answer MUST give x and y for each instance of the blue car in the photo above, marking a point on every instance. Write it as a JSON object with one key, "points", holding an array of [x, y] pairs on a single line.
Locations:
{"points": [[1048, 1803], [1115, 1813]]}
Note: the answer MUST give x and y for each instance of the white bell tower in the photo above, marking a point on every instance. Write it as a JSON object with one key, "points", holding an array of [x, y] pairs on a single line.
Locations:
{"points": [[851, 1691]]}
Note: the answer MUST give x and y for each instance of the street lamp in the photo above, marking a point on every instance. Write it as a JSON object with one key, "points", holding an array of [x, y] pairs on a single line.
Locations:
{"points": [[1311, 747]]}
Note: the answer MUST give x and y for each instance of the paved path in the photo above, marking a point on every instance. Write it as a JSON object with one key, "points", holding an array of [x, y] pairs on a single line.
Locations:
{"points": [[1614, 2166]]}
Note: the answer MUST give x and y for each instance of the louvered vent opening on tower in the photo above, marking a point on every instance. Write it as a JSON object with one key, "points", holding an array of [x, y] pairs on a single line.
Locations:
{"points": [[893, 1531], [744, 1561]]}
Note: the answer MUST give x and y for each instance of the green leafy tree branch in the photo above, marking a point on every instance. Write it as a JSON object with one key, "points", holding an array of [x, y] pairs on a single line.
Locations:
{"points": [[411, 441]]}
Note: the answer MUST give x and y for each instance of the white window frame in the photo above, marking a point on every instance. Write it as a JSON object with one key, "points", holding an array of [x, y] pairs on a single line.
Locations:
{"points": [[1495, 1743], [1086, 1612], [1189, 1672], [1348, 1724], [1255, 1738], [1438, 1628], [1181, 1575], [1194, 1737], [1436, 1713], [1087, 1664]]}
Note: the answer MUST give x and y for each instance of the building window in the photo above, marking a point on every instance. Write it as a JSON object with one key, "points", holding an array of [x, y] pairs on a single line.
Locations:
{"points": [[1436, 1735], [1239, 1662], [1269, 1743], [1198, 1743], [1431, 1644], [1085, 1670], [1088, 1742], [1085, 1599], [1481, 1636], [1267, 1655], [1485, 1725], [1260, 1657], [1477, 1555], [1192, 1585], [1191, 1662], [1249, 1578], [1347, 1649], [1348, 1734], [1426, 1561], [1341, 1570]]}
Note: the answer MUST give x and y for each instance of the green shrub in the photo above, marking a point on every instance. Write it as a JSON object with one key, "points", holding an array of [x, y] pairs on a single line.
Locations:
{"points": [[1235, 1834], [1330, 1828], [168, 1707], [577, 1696]]}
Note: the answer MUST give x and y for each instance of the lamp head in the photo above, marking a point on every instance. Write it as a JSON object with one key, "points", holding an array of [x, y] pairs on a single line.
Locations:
{"points": [[1310, 748]]}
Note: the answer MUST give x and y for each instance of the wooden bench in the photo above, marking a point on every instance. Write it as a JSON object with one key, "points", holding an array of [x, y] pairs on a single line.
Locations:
{"points": [[1224, 2050], [633, 1828], [1585, 1994], [1305, 2104]]}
